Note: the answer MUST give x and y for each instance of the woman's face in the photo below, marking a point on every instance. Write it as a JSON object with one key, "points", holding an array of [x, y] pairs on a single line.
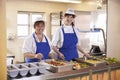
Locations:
{"points": [[68, 19], [40, 28]]}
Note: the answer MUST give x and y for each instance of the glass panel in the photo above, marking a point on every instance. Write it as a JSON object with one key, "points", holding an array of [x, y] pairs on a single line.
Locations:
{"points": [[83, 20], [22, 18], [101, 21], [55, 19], [22, 30]]}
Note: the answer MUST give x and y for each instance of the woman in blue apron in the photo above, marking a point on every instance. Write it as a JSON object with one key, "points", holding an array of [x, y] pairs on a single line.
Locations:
{"points": [[66, 39], [37, 45]]}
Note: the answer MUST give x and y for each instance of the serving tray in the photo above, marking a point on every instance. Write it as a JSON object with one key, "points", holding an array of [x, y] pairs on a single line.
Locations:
{"points": [[58, 65], [92, 61]]}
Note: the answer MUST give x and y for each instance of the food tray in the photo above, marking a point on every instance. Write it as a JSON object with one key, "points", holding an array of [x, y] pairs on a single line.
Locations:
{"points": [[80, 65], [12, 71], [92, 62], [96, 63], [67, 66]]}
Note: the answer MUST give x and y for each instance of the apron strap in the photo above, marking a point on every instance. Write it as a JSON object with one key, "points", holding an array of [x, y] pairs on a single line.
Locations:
{"points": [[46, 38], [73, 29], [64, 31], [34, 37], [36, 40]]}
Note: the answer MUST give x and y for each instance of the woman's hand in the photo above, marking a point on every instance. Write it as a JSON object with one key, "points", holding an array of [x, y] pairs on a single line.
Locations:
{"points": [[51, 55], [87, 55], [39, 56], [61, 56], [55, 48]]}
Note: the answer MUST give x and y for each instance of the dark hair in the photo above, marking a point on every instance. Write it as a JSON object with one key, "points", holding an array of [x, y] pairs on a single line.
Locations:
{"points": [[39, 22], [73, 24], [69, 15]]}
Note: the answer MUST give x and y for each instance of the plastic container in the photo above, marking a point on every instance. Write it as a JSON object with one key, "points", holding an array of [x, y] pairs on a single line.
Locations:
{"points": [[32, 68], [41, 68], [12, 71], [23, 70]]}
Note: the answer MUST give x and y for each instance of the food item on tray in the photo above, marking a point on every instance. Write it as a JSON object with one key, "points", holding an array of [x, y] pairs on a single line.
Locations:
{"points": [[56, 63], [83, 65], [93, 61], [111, 60], [59, 66], [78, 65]]}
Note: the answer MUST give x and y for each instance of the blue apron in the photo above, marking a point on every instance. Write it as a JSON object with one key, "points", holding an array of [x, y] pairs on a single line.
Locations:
{"points": [[42, 47], [69, 48]]}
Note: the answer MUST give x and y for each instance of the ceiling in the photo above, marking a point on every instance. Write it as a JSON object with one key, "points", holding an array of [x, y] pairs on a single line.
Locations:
{"points": [[69, 1], [76, 1]]}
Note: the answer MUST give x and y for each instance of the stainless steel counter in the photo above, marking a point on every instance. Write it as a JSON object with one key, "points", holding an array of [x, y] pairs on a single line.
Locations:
{"points": [[73, 73]]}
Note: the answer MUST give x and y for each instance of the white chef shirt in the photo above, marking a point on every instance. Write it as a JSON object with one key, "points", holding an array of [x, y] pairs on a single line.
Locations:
{"points": [[58, 38], [30, 45]]}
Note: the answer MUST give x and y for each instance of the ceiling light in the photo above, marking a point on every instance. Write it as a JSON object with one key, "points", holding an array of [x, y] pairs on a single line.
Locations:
{"points": [[65, 1]]}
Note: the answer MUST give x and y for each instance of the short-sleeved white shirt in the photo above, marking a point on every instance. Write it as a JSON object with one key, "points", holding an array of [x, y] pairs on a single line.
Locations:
{"points": [[29, 44], [58, 38]]}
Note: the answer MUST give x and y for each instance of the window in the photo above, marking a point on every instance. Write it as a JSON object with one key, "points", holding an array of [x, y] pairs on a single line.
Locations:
{"points": [[25, 21], [101, 21], [83, 20], [23, 24], [56, 21]]}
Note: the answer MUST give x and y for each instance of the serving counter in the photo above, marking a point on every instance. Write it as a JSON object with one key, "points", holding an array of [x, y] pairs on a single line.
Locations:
{"points": [[101, 72]]}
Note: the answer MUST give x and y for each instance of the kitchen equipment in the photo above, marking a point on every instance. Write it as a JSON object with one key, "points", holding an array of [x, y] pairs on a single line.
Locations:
{"points": [[59, 66], [96, 62], [10, 60], [93, 61], [32, 69], [12, 71], [95, 49], [41, 68], [23, 70]]}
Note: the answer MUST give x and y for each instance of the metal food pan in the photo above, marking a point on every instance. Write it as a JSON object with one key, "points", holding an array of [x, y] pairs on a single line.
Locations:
{"points": [[100, 63], [67, 67]]}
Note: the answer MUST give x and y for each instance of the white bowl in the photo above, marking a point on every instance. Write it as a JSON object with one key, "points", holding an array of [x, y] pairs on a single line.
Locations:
{"points": [[32, 68], [12, 71], [23, 70]]}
